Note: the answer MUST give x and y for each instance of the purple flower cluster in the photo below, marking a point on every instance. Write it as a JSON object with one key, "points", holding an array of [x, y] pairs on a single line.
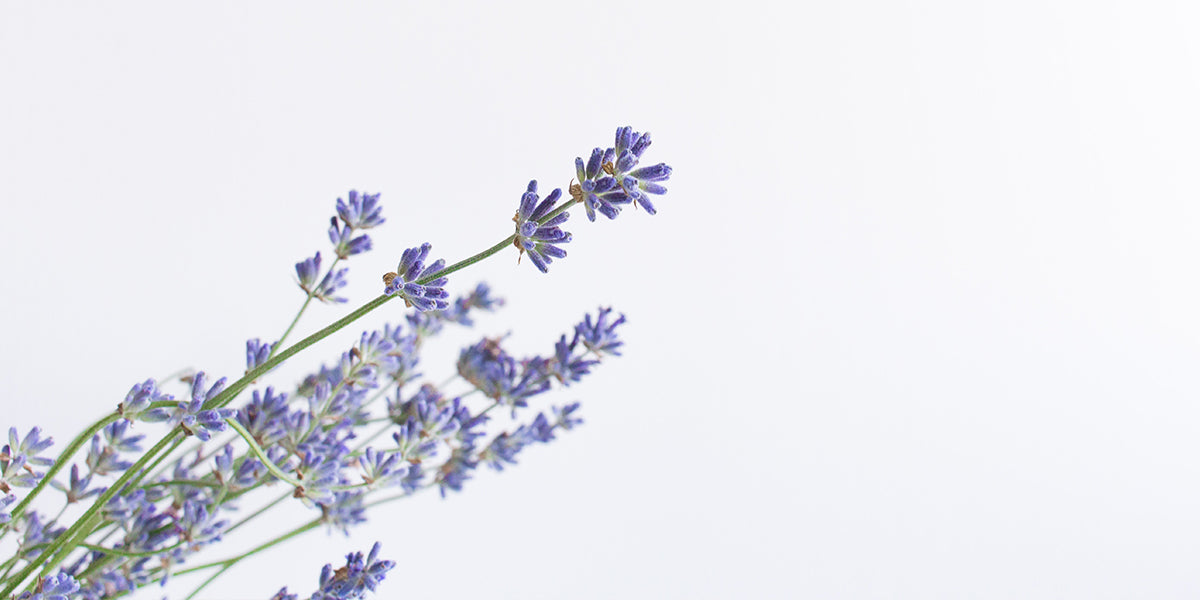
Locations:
{"points": [[612, 177], [405, 282], [349, 582], [536, 234], [19, 456], [314, 443], [361, 211]]}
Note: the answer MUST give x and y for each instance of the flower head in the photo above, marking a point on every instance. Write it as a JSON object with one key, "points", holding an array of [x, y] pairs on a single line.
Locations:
{"points": [[536, 234], [307, 272], [600, 336], [193, 417], [17, 456], [345, 244], [354, 579], [56, 587], [361, 211], [137, 404], [430, 295], [612, 178]]}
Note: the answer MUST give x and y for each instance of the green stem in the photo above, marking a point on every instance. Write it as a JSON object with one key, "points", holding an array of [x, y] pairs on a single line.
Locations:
{"points": [[307, 300], [370, 439], [262, 455], [58, 465], [132, 554], [210, 579], [292, 326], [260, 511], [466, 262], [59, 549], [82, 527], [234, 559], [225, 397], [161, 457]]}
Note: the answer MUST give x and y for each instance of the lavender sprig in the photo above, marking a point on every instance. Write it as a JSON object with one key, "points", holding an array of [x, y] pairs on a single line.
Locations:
{"points": [[302, 438]]}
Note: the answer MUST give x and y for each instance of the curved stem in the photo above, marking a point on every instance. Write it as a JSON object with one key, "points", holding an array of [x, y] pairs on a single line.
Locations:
{"points": [[262, 455]]}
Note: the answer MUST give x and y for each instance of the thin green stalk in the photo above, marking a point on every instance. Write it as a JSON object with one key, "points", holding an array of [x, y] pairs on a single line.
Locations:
{"points": [[225, 397], [132, 554], [371, 438], [307, 300], [59, 464], [262, 455], [56, 552], [260, 511], [234, 559], [78, 532], [210, 579], [291, 326], [137, 480], [466, 262]]}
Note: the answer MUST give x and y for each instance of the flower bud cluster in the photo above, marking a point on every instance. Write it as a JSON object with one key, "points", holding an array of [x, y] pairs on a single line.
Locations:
{"points": [[314, 443]]}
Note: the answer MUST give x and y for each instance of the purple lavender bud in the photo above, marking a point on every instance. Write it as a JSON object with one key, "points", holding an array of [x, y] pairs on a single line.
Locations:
{"points": [[103, 459], [355, 579], [564, 416], [345, 244], [264, 416], [541, 430], [501, 377], [412, 446], [345, 511], [55, 587], [565, 366], [4, 502], [535, 234], [424, 296], [629, 184], [257, 353], [17, 456], [116, 436], [600, 336], [381, 469], [136, 406], [332, 282], [361, 212], [193, 417], [456, 471], [307, 272], [283, 594], [38, 535]]}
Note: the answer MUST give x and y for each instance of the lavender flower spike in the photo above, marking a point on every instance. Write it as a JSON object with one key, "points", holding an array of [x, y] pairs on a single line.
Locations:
{"points": [[57, 587], [428, 296], [307, 272], [361, 211], [354, 579], [612, 178], [191, 415], [536, 237]]}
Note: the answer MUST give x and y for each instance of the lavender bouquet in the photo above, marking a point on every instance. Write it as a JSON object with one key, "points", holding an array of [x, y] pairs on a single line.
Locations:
{"points": [[366, 430]]}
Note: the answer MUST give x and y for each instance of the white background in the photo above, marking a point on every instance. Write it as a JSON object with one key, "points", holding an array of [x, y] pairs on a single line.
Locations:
{"points": [[918, 317]]}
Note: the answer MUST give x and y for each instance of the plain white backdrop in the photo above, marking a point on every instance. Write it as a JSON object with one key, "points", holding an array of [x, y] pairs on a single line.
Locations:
{"points": [[918, 317]]}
